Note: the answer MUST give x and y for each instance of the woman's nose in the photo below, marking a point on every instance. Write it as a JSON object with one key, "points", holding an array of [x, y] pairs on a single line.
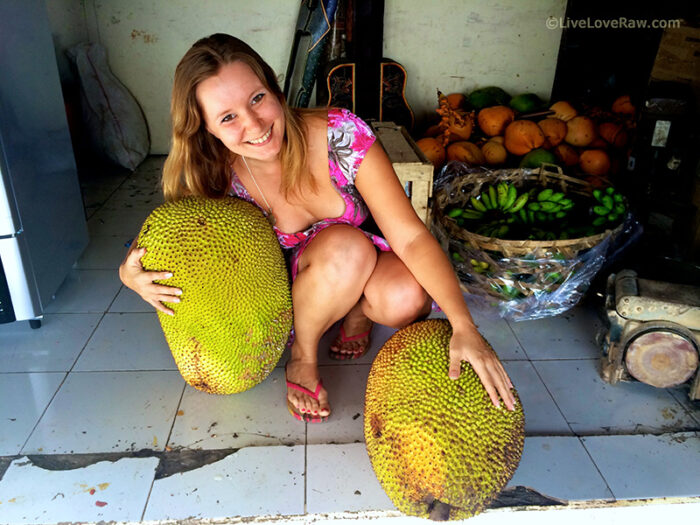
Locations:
{"points": [[253, 122]]}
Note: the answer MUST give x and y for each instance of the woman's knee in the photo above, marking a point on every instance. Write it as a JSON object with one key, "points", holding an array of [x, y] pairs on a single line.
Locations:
{"points": [[400, 300], [342, 254]]}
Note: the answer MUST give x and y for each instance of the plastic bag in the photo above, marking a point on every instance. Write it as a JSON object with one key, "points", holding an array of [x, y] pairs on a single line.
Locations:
{"points": [[113, 118], [537, 284]]}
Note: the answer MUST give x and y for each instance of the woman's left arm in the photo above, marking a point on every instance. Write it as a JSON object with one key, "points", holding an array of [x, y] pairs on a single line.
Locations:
{"points": [[421, 253]]}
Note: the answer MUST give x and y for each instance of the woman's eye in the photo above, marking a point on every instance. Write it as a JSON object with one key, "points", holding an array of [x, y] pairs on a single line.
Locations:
{"points": [[257, 98], [227, 118]]}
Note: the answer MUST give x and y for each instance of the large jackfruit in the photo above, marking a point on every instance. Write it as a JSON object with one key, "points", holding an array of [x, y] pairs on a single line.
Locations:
{"points": [[438, 446], [235, 317]]}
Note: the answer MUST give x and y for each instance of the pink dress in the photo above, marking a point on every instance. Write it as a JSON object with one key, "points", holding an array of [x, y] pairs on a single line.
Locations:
{"points": [[349, 138]]}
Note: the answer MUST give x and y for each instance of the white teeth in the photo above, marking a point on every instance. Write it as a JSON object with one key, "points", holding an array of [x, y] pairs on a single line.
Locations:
{"points": [[263, 138]]}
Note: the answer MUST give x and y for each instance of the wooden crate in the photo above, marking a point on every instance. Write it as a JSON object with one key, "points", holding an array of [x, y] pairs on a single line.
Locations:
{"points": [[414, 171]]}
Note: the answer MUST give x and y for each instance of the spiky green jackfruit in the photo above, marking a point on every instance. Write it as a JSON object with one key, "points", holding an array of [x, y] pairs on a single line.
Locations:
{"points": [[438, 446], [235, 314]]}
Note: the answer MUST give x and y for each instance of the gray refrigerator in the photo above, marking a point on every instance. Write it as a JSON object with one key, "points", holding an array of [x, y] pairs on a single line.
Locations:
{"points": [[42, 219]]}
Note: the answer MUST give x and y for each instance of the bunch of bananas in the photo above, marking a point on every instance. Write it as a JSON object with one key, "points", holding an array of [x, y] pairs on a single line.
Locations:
{"points": [[609, 208], [502, 198], [547, 205]]}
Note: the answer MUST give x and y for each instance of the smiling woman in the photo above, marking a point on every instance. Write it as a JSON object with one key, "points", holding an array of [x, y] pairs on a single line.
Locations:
{"points": [[319, 174]]}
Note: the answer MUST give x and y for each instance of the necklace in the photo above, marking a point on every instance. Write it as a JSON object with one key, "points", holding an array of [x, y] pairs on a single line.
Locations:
{"points": [[270, 215]]}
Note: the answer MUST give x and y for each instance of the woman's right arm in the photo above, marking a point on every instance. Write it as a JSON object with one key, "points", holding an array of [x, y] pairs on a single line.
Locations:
{"points": [[133, 276]]}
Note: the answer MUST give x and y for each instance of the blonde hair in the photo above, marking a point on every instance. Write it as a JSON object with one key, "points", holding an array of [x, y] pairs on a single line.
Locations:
{"points": [[198, 162]]}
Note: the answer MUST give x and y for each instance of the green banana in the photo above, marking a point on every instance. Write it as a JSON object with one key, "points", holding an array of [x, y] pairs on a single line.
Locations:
{"points": [[502, 191], [454, 213], [556, 197], [545, 194], [493, 197], [599, 220], [477, 204], [511, 198], [519, 203], [472, 214], [549, 207], [486, 200], [523, 215], [566, 204], [534, 206], [600, 210], [607, 201]]}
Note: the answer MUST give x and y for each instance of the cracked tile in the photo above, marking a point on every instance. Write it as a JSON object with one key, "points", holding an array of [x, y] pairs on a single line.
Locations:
{"points": [[105, 491], [254, 481]]}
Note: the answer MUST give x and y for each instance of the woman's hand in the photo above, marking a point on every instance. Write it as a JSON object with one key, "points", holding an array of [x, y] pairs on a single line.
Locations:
{"points": [[471, 347], [133, 276]]}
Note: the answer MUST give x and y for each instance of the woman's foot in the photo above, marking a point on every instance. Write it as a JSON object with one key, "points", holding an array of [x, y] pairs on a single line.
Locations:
{"points": [[307, 400], [353, 340]]}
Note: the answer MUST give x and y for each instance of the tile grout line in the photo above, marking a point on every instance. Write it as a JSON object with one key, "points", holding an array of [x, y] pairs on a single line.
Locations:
{"points": [[306, 464], [63, 382], [517, 339], [165, 449], [542, 380], [580, 439]]}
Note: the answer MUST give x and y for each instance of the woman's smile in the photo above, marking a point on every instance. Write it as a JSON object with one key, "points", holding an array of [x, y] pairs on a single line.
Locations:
{"points": [[262, 140]]}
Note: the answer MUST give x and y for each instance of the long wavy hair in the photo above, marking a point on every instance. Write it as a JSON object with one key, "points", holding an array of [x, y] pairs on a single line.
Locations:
{"points": [[198, 162]]}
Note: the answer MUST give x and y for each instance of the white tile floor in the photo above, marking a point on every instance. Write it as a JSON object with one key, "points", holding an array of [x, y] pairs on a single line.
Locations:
{"points": [[97, 424]]}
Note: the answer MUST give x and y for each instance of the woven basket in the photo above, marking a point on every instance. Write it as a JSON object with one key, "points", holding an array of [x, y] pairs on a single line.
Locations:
{"points": [[516, 268]]}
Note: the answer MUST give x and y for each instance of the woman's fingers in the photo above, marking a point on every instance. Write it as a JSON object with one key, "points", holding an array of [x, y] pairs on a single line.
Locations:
{"points": [[455, 365], [491, 373], [161, 307]]}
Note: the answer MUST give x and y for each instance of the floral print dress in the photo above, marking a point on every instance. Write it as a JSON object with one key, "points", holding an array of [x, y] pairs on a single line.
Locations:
{"points": [[349, 139]]}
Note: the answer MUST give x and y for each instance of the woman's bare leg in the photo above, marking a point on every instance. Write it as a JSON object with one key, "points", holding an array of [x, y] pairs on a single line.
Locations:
{"points": [[391, 297], [332, 274]]}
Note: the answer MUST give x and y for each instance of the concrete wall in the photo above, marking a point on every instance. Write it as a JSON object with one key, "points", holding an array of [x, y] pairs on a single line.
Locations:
{"points": [[453, 45]]}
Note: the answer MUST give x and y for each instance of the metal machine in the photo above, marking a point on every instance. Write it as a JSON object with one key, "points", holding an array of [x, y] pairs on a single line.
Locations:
{"points": [[653, 334]]}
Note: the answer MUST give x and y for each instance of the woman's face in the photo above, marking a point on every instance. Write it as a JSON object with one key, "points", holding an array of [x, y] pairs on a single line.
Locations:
{"points": [[241, 112]]}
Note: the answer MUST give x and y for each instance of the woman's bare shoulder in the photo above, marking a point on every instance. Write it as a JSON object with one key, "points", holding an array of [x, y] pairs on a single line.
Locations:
{"points": [[316, 122]]}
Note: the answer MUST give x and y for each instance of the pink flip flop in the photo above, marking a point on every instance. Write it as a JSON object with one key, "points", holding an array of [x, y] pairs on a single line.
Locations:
{"points": [[301, 416], [342, 338]]}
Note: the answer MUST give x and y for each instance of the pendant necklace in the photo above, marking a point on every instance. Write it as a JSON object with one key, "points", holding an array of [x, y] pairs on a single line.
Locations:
{"points": [[270, 215]]}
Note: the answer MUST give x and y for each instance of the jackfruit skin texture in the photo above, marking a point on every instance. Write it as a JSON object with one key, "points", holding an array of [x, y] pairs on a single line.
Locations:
{"points": [[438, 446], [235, 317]]}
